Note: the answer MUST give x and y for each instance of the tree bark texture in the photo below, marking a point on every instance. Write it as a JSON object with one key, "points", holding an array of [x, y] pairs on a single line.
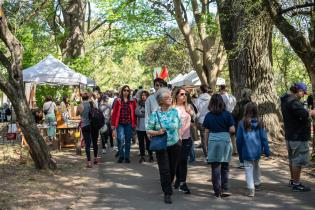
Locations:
{"points": [[209, 60], [14, 89], [72, 44], [248, 42]]}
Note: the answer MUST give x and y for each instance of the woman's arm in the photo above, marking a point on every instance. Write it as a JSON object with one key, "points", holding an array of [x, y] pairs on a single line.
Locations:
{"points": [[155, 133], [232, 129]]}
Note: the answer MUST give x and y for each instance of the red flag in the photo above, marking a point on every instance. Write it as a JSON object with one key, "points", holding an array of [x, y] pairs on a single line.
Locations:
{"points": [[164, 73]]}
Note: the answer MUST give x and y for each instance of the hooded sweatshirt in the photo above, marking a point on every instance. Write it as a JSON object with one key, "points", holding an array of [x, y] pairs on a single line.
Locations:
{"points": [[295, 118], [251, 143], [202, 104]]}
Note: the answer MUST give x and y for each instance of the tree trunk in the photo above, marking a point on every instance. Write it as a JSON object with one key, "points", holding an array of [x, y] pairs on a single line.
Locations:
{"points": [[13, 88], [72, 45], [207, 62], [249, 44], [38, 148]]}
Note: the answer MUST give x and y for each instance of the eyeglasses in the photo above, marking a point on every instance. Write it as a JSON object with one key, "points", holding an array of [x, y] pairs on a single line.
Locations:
{"points": [[126, 90]]}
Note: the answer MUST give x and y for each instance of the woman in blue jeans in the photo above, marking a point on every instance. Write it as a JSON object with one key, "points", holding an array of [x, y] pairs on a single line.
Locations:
{"points": [[218, 125], [124, 120]]}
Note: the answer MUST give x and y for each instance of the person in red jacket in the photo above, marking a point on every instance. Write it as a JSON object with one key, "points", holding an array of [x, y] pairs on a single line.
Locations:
{"points": [[123, 120]]}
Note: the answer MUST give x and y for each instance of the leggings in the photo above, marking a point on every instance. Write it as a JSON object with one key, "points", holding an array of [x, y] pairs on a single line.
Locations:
{"points": [[87, 135]]}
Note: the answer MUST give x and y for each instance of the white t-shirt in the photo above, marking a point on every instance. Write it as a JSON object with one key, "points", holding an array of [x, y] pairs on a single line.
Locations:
{"points": [[50, 106]]}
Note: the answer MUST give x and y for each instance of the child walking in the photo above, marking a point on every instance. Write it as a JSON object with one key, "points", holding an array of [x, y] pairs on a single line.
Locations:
{"points": [[252, 141]]}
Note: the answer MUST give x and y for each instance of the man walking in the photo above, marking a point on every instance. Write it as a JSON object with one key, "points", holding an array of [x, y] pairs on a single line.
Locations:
{"points": [[297, 133]]}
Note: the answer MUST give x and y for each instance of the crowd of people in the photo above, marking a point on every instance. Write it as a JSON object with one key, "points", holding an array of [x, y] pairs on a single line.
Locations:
{"points": [[225, 126]]}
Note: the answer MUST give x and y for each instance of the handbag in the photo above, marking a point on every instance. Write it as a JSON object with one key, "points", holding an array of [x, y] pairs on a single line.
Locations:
{"points": [[158, 143]]}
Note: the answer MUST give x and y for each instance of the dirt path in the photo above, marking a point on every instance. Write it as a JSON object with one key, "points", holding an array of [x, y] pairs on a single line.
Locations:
{"points": [[136, 186]]}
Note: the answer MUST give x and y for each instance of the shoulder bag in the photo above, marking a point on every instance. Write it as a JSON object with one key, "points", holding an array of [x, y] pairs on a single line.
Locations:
{"points": [[158, 143]]}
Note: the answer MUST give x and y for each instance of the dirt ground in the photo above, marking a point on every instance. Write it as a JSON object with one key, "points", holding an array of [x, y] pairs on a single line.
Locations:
{"points": [[73, 186], [24, 187]]}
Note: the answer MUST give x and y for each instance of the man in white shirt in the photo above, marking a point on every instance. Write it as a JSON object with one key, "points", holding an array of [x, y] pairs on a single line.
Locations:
{"points": [[202, 104], [151, 105]]}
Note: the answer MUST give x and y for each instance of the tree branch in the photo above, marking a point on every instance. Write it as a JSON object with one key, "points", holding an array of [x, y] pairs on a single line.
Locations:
{"points": [[282, 11], [89, 16], [14, 47], [296, 39], [97, 26], [5, 61], [35, 12]]}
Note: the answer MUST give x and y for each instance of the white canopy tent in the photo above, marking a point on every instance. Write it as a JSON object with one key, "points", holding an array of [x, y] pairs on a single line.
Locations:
{"points": [[52, 71], [191, 79]]}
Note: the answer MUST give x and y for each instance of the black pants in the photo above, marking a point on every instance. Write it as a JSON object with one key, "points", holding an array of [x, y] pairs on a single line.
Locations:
{"points": [[167, 162], [181, 172], [144, 142], [220, 177], [87, 136], [95, 133]]}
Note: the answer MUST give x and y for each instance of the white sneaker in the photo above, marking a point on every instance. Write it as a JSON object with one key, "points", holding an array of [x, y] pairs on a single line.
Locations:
{"points": [[115, 149], [205, 159], [104, 151]]}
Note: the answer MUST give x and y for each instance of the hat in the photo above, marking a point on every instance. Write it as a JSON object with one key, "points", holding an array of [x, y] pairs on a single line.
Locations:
{"points": [[105, 97], [301, 86]]}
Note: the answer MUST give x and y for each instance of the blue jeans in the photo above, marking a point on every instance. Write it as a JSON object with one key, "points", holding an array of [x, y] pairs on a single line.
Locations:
{"points": [[124, 134], [192, 154]]}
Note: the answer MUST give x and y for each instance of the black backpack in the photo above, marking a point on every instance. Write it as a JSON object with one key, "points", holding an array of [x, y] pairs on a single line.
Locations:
{"points": [[96, 117]]}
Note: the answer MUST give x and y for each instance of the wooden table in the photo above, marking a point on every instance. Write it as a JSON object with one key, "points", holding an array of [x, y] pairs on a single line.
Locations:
{"points": [[67, 138]]}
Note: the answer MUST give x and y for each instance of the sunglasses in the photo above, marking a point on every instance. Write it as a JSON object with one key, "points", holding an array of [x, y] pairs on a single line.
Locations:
{"points": [[182, 94], [126, 90]]}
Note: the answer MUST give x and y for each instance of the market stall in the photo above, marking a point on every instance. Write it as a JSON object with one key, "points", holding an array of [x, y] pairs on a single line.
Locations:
{"points": [[53, 72]]}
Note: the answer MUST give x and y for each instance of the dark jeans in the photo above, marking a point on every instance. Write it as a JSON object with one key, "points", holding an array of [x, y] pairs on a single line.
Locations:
{"points": [[104, 137], [167, 162], [144, 142], [220, 176], [87, 136], [95, 134], [181, 172], [204, 139]]}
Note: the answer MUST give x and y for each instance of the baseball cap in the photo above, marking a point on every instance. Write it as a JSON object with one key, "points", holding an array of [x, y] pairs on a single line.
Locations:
{"points": [[301, 86]]}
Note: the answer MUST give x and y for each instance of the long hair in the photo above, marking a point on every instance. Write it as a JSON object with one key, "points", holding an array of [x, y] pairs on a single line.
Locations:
{"points": [[122, 90], [216, 105], [251, 112], [175, 94]]}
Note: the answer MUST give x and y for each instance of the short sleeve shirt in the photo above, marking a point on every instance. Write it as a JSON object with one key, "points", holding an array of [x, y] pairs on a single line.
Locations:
{"points": [[170, 121], [218, 123]]}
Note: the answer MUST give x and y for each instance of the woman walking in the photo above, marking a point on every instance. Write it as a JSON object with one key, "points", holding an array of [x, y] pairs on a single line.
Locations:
{"points": [[186, 113], [167, 159], [141, 132], [218, 124], [251, 141], [49, 109], [123, 120], [84, 110]]}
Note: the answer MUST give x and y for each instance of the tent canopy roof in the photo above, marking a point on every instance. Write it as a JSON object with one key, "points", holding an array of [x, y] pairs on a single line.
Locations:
{"points": [[191, 79], [52, 71]]}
